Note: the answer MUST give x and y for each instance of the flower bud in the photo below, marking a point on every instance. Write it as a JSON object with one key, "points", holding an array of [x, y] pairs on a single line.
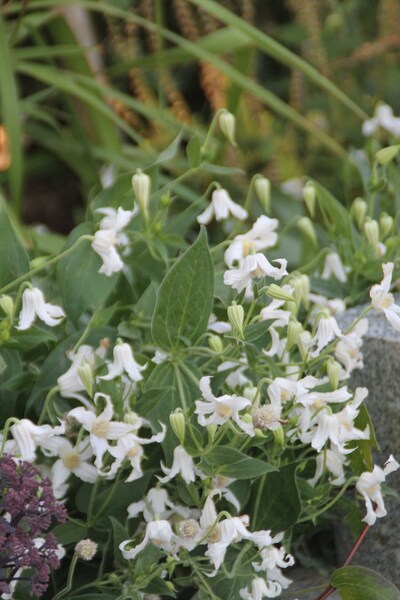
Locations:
{"points": [[301, 289], [333, 371], [309, 196], [386, 155], [86, 375], [385, 224], [371, 230], [294, 330], [236, 318], [216, 344], [359, 210], [307, 228], [250, 392], [292, 307], [141, 188], [279, 436], [227, 123], [177, 422], [7, 305], [262, 187], [276, 292], [165, 200], [304, 343], [86, 549], [247, 418], [211, 430], [130, 417]]}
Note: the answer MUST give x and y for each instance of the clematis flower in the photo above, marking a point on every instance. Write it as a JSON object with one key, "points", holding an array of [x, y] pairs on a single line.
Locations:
{"points": [[72, 460], [383, 300], [124, 361], [334, 266], [156, 505], [369, 486], [261, 588], [327, 330], [252, 267], [221, 409], [221, 206], [34, 305], [347, 350], [115, 220], [260, 237], [109, 236], [334, 462], [70, 383], [101, 428], [183, 464], [384, 118], [29, 436], [158, 533]]}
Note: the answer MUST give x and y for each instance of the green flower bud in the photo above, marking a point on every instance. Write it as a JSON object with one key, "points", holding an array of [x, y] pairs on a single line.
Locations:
{"points": [[333, 371], [304, 343], [309, 196], [177, 422], [7, 305], [262, 187], [211, 430], [227, 123], [86, 375], [294, 330], [130, 417], [386, 155], [279, 436], [216, 344], [141, 188], [307, 228], [247, 418], [385, 224], [165, 200], [359, 210], [371, 230], [276, 292], [292, 307], [236, 318], [301, 287]]}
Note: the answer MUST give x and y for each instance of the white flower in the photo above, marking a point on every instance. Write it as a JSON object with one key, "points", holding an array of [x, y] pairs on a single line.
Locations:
{"points": [[347, 350], [273, 312], [183, 464], [383, 300], [327, 330], [72, 460], [251, 267], [334, 266], [369, 486], [156, 505], [336, 306], [115, 220], [293, 187], [34, 305], [158, 533], [334, 462], [108, 236], [70, 382], [221, 206], [221, 409], [237, 370], [124, 361], [260, 588], [29, 436], [260, 237], [384, 118], [101, 428]]}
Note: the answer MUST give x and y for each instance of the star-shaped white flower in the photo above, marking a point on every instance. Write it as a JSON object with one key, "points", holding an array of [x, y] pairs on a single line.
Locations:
{"points": [[220, 207], [252, 267], [101, 428], [72, 460], [369, 486], [181, 464], [108, 237], [70, 383], [158, 533], [28, 436], [334, 266], [220, 410], [260, 237], [124, 361], [34, 305], [383, 300]]}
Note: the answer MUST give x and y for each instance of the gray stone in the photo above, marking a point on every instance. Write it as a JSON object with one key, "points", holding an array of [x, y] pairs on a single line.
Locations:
{"points": [[380, 550]]}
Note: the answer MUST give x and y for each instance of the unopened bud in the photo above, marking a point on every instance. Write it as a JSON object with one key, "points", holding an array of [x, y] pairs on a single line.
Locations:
{"points": [[385, 224], [292, 307], [247, 418], [294, 330], [279, 436], [309, 196], [86, 376], [177, 422], [262, 187], [304, 343], [333, 371], [236, 318], [250, 392], [211, 430], [371, 230], [301, 289], [165, 200], [86, 549], [141, 188], [307, 228], [131, 417], [216, 344], [227, 123], [276, 292], [386, 155], [359, 211], [7, 305]]}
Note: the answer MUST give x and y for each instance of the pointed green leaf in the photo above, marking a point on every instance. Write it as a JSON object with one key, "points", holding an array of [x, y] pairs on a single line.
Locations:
{"points": [[14, 260], [232, 463], [355, 583], [184, 299]]}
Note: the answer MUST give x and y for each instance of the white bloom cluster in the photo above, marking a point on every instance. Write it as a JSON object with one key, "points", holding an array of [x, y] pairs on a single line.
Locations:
{"points": [[383, 118]]}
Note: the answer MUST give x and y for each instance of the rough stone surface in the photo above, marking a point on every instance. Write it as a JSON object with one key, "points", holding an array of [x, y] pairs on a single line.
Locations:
{"points": [[380, 550]]}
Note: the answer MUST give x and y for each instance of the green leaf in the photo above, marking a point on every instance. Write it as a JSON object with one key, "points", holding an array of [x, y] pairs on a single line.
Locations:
{"points": [[184, 299], [68, 533], [81, 285], [193, 152], [355, 583], [170, 152], [14, 260], [120, 534], [276, 501], [333, 211], [232, 463]]}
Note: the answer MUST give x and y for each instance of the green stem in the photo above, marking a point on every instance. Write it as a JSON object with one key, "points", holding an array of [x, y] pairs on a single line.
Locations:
{"points": [[330, 504], [46, 264], [7, 425], [45, 408], [90, 521], [211, 130], [69, 579]]}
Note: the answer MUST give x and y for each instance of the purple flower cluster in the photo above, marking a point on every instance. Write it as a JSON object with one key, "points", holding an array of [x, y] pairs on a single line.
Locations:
{"points": [[27, 510]]}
